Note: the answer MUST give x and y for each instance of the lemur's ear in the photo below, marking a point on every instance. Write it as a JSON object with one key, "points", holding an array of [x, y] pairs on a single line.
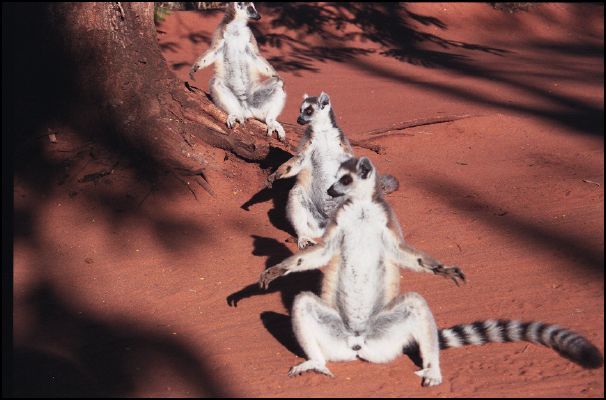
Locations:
{"points": [[305, 96], [324, 100], [364, 168]]}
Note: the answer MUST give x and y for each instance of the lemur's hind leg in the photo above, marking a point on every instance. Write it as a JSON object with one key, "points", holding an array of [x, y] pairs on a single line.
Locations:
{"points": [[406, 319], [321, 334], [266, 103], [225, 99], [298, 212]]}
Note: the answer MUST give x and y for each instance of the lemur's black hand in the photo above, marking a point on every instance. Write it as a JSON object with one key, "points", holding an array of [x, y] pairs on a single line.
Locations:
{"points": [[270, 180], [453, 273], [270, 274], [438, 268], [194, 69]]}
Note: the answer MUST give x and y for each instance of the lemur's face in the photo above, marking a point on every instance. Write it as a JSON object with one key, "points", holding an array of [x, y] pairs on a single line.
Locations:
{"points": [[312, 107], [247, 10], [356, 176]]}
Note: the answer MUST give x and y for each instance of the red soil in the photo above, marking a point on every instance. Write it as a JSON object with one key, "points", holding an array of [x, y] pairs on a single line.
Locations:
{"points": [[122, 287]]}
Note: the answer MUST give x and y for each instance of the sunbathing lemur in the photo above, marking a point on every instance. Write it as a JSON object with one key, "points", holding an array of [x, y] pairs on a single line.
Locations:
{"points": [[236, 87], [362, 315]]}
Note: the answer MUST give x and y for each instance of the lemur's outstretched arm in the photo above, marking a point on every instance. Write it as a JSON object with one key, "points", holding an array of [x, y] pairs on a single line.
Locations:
{"points": [[311, 258], [209, 56], [291, 167], [407, 257]]}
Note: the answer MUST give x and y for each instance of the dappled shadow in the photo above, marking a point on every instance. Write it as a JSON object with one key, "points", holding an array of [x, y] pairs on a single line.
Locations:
{"points": [[307, 33], [322, 33], [89, 159], [341, 31], [68, 353], [576, 249], [69, 151]]}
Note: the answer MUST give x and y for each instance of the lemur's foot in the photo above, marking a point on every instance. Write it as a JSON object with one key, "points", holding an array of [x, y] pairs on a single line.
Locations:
{"points": [[304, 242], [309, 366], [430, 376], [275, 126], [232, 119]]}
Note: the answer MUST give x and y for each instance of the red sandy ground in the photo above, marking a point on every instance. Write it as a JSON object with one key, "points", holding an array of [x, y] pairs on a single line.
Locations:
{"points": [[122, 288]]}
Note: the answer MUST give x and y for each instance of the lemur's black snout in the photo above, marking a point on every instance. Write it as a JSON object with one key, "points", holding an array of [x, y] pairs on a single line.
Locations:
{"points": [[253, 14], [301, 121], [333, 193]]}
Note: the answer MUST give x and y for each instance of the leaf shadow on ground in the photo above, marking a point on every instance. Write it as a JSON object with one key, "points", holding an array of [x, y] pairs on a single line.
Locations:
{"points": [[68, 352]]}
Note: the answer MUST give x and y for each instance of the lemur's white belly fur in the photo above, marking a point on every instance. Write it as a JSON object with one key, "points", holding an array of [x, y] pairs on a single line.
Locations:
{"points": [[362, 272], [325, 162], [235, 68]]}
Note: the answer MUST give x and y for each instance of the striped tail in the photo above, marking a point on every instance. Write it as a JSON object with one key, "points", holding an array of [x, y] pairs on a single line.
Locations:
{"points": [[566, 342]]}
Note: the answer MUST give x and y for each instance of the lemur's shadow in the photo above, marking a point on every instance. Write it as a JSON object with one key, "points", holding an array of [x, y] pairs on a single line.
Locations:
{"points": [[289, 285], [280, 325], [278, 193]]}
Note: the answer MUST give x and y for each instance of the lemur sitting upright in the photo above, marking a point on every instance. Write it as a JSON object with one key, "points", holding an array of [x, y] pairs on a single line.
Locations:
{"points": [[322, 150], [236, 87], [361, 314]]}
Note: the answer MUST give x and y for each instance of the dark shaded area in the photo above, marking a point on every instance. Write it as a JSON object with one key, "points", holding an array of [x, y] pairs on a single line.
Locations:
{"points": [[278, 193], [280, 327], [70, 354], [581, 253], [289, 286], [50, 97]]}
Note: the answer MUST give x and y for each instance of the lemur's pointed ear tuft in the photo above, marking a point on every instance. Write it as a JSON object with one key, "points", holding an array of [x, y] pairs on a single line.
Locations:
{"points": [[305, 96], [324, 100], [364, 168]]}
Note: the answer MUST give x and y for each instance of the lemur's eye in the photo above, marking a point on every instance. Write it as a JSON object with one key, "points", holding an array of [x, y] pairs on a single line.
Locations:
{"points": [[346, 180], [309, 110]]}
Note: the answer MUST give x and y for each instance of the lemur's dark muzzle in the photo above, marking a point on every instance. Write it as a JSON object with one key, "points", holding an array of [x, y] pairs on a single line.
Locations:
{"points": [[333, 193], [301, 121], [253, 14]]}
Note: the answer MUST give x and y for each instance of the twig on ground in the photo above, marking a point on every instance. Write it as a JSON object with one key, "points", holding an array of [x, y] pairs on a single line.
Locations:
{"points": [[186, 183], [201, 180], [396, 128], [588, 181]]}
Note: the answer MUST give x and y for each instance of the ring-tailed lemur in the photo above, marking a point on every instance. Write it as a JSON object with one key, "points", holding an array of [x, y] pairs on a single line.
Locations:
{"points": [[322, 150], [236, 87], [361, 314]]}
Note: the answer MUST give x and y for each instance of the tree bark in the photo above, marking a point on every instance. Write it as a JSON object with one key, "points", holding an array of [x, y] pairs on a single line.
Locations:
{"points": [[109, 70]]}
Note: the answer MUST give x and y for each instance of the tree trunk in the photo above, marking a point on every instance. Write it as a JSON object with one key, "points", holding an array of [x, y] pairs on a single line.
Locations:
{"points": [[102, 62]]}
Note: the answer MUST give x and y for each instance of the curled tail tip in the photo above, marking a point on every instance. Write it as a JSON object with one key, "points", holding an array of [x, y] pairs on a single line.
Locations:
{"points": [[389, 184]]}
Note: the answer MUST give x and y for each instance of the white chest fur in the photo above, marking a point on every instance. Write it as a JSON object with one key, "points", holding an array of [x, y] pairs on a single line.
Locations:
{"points": [[237, 37], [361, 274], [327, 156]]}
